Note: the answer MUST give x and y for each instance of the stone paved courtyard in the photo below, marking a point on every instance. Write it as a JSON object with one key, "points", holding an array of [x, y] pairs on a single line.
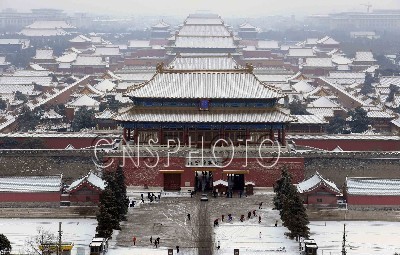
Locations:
{"points": [[168, 220]]}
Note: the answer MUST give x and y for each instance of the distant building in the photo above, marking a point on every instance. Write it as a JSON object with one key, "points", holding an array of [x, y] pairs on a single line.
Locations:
{"points": [[248, 31], [86, 190]]}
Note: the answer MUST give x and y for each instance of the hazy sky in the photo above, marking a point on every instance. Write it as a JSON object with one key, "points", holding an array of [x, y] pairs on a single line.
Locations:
{"points": [[241, 8]]}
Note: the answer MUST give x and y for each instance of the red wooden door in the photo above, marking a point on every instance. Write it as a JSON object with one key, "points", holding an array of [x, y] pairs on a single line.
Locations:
{"points": [[172, 181]]}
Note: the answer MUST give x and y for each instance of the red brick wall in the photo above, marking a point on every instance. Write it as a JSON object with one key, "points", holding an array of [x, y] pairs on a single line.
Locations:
{"points": [[30, 197], [373, 200], [262, 177]]}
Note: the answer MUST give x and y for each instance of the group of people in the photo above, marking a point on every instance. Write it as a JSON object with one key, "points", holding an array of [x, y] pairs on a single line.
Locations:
{"points": [[156, 241], [242, 217], [151, 197]]}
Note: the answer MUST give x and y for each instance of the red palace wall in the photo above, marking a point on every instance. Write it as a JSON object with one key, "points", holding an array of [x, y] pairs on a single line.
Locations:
{"points": [[262, 177], [30, 197], [351, 145], [373, 200]]}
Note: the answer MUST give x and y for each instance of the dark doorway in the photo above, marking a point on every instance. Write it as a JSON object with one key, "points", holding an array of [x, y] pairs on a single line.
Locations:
{"points": [[236, 181], [203, 181], [172, 182]]}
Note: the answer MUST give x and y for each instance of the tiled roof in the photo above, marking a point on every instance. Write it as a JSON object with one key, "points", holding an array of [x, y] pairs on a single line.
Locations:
{"points": [[193, 115], [303, 87], [346, 75], [346, 137], [204, 42], [107, 51], [89, 61], [319, 62], [247, 26], [48, 24], [12, 88], [45, 54], [25, 80], [136, 76], [309, 119], [31, 73], [273, 77], [190, 30], [84, 101], [379, 115], [386, 81], [323, 102], [80, 38], [204, 85], [31, 184], [43, 32], [161, 24], [364, 56], [372, 186], [323, 112], [301, 52], [327, 40], [268, 45], [139, 44], [90, 178], [105, 85], [316, 181], [51, 114], [203, 63], [106, 114], [203, 21], [67, 58]]}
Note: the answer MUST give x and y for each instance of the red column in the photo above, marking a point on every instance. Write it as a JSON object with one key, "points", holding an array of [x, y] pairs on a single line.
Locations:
{"points": [[128, 138], [279, 136], [160, 136], [283, 136], [185, 136], [135, 135]]}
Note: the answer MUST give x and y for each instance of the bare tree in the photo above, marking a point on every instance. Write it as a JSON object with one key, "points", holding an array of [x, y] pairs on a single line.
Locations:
{"points": [[44, 238]]}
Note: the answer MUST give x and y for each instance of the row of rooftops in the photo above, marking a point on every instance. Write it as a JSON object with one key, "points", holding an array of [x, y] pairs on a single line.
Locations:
{"points": [[355, 186]]}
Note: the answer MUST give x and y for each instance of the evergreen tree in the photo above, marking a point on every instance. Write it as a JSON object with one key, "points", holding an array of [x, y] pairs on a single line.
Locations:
{"points": [[359, 120], [367, 88], [83, 118], [336, 125], [106, 220], [5, 245], [28, 119], [297, 108], [281, 188], [393, 90], [19, 96], [120, 193], [290, 205]]}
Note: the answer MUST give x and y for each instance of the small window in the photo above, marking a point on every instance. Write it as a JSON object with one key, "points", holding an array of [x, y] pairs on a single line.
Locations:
{"points": [[204, 104], [319, 200]]}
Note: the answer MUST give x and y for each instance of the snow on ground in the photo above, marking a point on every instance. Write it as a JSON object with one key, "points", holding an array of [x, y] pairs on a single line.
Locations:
{"points": [[78, 231]]}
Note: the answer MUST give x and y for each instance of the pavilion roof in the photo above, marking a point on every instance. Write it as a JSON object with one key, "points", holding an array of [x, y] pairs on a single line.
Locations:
{"points": [[203, 63], [203, 30], [204, 42]]}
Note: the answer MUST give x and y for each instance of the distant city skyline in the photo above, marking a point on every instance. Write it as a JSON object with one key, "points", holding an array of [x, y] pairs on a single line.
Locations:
{"points": [[226, 8]]}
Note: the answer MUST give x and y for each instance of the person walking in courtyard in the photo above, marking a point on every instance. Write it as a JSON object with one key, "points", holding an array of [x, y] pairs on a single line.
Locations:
{"points": [[259, 234], [151, 239], [134, 240], [188, 216], [222, 217], [254, 213], [249, 215], [177, 249], [260, 206], [158, 240], [259, 218]]}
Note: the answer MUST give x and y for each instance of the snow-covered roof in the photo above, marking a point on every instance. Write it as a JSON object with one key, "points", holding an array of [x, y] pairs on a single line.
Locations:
{"points": [[318, 62], [89, 61], [85, 101], [31, 183], [161, 24], [268, 45], [6, 121], [323, 102], [51, 114], [372, 186], [309, 119], [324, 112], [303, 87], [105, 85], [301, 52], [107, 114], [80, 38], [91, 179], [37, 67], [396, 122], [337, 149], [316, 181], [67, 58], [43, 32], [45, 54], [347, 75], [220, 182], [203, 63], [139, 44], [311, 41], [25, 80], [327, 41], [107, 51], [204, 42], [364, 56], [48, 24]]}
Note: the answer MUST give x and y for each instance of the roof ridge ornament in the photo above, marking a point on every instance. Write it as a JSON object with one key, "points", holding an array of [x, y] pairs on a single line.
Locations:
{"points": [[249, 68], [160, 67]]}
